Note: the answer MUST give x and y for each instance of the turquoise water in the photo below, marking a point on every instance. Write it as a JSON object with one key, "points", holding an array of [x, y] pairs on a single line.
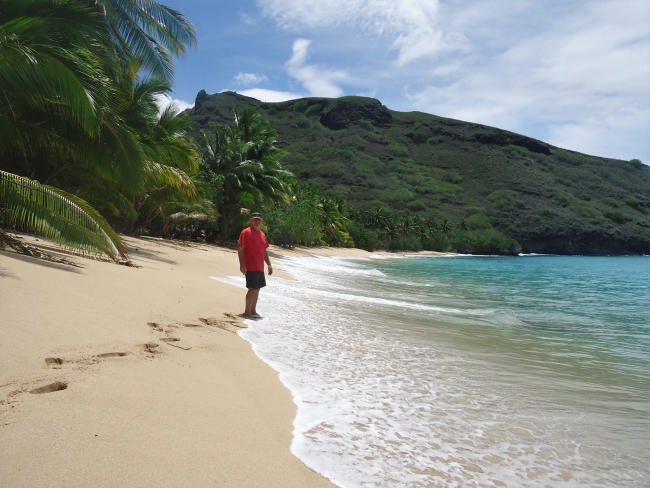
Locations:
{"points": [[465, 371], [577, 316]]}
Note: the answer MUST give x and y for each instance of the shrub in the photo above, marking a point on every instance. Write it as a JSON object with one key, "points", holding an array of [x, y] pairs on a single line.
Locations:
{"points": [[471, 210], [438, 241], [506, 200], [486, 241], [303, 123], [571, 158], [585, 209], [635, 204], [450, 176], [419, 135], [367, 125], [617, 216], [364, 238], [416, 206], [478, 221], [397, 149], [636, 163], [562, 196], [314, 110], [611, 202], [517, 151], [353, 141], [300, 106], [291, 225], [406, 243], [435, 140]]}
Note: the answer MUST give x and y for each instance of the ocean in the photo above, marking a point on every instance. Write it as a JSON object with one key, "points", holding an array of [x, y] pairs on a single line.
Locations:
{"points": [[464, 371]]}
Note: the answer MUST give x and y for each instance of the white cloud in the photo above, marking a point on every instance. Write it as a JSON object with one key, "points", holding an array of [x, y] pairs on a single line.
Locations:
{"points": [[246, 79], [412, 25], [318, 81], [163, 101], [247, 19], [270, 95], [572, 73], [578, 82]]}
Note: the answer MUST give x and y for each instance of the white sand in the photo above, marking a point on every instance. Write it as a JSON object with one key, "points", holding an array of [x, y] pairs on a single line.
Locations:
{"points": [[200, 411]]}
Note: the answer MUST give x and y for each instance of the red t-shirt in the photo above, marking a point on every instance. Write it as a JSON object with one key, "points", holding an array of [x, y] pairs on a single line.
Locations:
{"points": [[255, 243]]}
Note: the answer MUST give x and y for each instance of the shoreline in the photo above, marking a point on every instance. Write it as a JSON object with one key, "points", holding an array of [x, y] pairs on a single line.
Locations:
{"points": [[111, 375]]}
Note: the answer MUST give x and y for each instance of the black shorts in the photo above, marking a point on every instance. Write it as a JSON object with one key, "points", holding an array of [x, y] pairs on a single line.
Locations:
{"points": [[255, 280]]}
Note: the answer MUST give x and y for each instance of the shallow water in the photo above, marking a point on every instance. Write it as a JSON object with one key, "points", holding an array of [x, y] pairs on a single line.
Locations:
{"points": [[466, 371]]}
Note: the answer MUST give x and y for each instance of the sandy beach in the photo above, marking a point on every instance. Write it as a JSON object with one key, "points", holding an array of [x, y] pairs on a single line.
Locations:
{"points": [[120, 376]]}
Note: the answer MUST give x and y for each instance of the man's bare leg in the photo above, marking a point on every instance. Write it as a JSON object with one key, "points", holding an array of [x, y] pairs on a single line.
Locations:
{"points": [[254, 309], [251, 300]]}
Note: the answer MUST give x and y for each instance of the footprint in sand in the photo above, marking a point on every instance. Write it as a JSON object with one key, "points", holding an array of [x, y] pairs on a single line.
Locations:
{"points": [[171, 340], [155, 326], [112, 355], [56, 386], [150, 347], [218, 323], [54, 362]]}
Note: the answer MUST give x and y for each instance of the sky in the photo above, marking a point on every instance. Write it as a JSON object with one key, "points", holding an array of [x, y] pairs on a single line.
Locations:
{"points": [[573, 73]]}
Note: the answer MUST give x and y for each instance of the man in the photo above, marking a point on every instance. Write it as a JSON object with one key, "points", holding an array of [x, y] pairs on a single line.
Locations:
{"points": [[252, 256]]}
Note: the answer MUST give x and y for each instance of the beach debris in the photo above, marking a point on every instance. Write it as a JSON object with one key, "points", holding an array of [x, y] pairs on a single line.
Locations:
{"points": [[56, 386], [34, 252], [191, 325]]}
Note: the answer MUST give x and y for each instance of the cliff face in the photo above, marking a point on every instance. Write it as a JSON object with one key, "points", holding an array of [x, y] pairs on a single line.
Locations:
{"points": [[551, 200]]}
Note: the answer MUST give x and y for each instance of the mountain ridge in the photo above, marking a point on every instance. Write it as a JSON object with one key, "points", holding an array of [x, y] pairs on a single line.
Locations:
{"points": [[550, 199]]}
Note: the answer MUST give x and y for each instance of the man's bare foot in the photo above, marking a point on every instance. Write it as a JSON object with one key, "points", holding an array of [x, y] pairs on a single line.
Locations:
{"points": [[247, 315]]}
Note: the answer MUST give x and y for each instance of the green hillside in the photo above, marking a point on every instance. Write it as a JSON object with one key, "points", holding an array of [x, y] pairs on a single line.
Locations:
{"points": [[549, 199]]}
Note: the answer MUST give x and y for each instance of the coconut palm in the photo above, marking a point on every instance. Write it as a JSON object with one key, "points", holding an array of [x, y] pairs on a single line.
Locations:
{"points": [[241, 161], [330, 214], [54, 65], [149, 32], [67, 69]]}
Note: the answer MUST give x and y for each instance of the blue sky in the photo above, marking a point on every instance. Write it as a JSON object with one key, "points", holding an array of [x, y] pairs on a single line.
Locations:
{"points": [[575, 73]]}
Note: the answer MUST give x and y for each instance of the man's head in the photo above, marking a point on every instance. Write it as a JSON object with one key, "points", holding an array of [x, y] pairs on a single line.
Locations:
{"points": [[256, 220]]}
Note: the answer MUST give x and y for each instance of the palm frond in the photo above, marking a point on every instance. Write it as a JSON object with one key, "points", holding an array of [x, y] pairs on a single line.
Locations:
{"points": [[58, 215]]}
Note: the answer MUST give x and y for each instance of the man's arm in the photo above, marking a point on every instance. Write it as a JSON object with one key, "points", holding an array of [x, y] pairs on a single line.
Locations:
{"points": [[268, 262], [240, 253]]}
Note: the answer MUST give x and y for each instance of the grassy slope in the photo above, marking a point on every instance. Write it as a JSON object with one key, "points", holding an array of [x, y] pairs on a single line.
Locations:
{"points": [[549, 199]]}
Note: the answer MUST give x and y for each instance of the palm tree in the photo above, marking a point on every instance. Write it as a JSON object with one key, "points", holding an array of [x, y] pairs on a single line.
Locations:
{"points": [[149, 32], [67, 73], [241, 161], [330, 213], [53, 73]]}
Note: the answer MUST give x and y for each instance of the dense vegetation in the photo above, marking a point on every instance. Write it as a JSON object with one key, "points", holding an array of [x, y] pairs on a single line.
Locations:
{"points": [[81, 135], [436, 169]]}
